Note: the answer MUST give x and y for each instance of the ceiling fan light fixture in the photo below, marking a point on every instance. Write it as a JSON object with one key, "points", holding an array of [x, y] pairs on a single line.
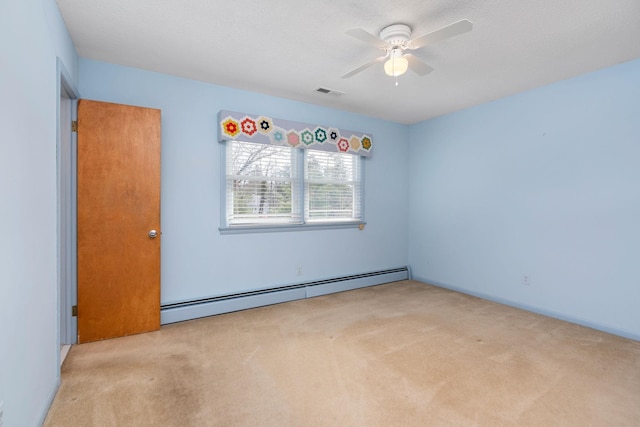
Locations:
{"points": [[395, 39], [396, 65]]}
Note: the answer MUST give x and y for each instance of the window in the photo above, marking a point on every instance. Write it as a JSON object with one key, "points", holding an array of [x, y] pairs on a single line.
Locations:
{"points": [[262, 184], [268, 185], [332, 186]]}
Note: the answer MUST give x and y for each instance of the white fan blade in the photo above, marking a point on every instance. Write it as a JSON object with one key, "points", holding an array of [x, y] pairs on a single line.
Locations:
{"points": [[364, 67], [454, 29], [417, 65], [366, 37]]}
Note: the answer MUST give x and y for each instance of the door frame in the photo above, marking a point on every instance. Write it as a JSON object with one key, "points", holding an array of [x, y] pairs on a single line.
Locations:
{"points": [[66, 168]]}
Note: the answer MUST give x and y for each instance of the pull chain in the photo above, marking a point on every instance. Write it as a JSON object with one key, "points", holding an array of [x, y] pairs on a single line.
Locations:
{"points": [[393, 65]]}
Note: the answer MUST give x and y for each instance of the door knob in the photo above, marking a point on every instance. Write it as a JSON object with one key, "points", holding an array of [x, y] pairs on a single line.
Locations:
{"points": [[153, 234]]}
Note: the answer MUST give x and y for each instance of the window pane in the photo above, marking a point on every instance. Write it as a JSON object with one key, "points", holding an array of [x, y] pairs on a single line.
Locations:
{"points": [[331, 201], [332, 184], [261, 184]]}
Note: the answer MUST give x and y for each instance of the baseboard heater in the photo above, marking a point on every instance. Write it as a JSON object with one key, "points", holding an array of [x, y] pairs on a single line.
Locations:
{"points": [[187, 310]]}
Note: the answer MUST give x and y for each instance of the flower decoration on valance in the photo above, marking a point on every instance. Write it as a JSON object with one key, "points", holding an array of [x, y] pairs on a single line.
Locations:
{"points": [[235, 126]]}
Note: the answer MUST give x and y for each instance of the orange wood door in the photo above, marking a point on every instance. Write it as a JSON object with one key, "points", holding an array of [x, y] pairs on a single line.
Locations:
{"points": [[118, 204]]}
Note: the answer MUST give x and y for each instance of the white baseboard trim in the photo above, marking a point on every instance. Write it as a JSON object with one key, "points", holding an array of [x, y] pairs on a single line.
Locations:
{"points": [[64, 351]]}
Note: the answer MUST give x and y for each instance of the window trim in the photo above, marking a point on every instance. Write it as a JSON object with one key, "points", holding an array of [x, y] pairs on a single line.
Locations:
{"points": [[255, 228], [225, 228]]}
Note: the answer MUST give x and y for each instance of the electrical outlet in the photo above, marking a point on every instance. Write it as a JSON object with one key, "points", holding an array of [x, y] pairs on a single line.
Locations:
{"points": [[526, 279], [299, 272]]}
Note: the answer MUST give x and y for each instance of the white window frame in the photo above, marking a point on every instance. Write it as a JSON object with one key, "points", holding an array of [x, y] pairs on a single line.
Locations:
{"points": [[301, 203], [354, 181]]}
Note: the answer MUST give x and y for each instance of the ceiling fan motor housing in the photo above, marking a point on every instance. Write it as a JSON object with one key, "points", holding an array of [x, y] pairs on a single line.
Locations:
{"points": [[396, 35]]}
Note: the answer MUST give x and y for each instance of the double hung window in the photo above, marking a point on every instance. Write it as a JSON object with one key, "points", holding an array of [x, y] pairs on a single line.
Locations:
{"points": [[272, 185]]}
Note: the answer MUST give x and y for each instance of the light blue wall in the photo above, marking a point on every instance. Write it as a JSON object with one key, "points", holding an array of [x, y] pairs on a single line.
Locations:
{"points": [[32, 35], [544, 183], [199, 262]]}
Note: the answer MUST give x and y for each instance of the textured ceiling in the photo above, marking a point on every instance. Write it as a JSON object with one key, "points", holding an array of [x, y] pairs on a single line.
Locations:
{"points": [[289, 48]]}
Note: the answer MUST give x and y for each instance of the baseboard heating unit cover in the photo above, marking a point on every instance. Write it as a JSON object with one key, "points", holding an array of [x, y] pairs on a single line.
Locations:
{"points": [[187, 310]]}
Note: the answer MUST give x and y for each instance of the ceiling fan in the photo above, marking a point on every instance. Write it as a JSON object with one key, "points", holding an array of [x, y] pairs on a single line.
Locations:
{"points": [[395, 39]]}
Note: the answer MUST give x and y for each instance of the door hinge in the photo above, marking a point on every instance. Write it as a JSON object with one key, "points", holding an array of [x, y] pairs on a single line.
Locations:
{"points": [[74, 311], [74, 126]]}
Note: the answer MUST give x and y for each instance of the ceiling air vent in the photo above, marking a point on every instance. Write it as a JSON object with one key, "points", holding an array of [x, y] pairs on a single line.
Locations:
{"points": [[329, 91]]}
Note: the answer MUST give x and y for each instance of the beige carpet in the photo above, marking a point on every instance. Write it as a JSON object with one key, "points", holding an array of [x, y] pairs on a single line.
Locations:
{"points": [[398, 354]]}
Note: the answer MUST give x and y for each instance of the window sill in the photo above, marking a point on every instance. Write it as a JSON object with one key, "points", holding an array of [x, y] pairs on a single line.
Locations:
{"points": [[253, 228]]}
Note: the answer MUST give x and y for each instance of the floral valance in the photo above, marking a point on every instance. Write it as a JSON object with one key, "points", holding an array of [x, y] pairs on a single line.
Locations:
{"points": [[266, 130]]}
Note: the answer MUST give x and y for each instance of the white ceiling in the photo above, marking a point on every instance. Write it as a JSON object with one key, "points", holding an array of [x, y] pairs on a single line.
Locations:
{"points": [[289, 48]]}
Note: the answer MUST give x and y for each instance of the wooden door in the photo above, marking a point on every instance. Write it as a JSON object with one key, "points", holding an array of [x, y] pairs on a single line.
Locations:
{"points": [[118, 205]]}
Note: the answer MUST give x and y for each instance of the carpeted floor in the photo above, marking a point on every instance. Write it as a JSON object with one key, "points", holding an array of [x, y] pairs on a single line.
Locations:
{"points": [[398, 354]]}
